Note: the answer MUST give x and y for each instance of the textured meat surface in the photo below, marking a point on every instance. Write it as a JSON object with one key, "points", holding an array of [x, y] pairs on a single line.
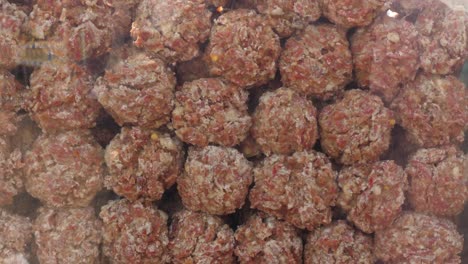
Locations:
{"points": [[200, 238], [243, 48], [64, 170], [317, 61], [11, 182], [67, 236], [352, 13], [211, 110], [264, 239], [16, 234], [300, 188], [143, 163], [216, 180], [419, 238], [134, 233]]}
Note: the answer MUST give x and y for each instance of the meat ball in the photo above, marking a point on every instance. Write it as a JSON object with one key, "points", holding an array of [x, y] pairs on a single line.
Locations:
{"points": [[243, 48], [67, 236], [137, 91], [200, 238], [300, 188], [442, 36], [134, 233], [216, 180], [356, 129], [438, 181], [419, 238], [372, 194], [211, 111], [432, 109], [385, 55], [143, 163], [317, 62], [16, 234], [11, 92], [354, 13], [64, 170], [80, 30], [11, 29], [286, 16], [284, 122], [61, 99], [10, 172], [265, 239], [172, 30], [338, 243]]}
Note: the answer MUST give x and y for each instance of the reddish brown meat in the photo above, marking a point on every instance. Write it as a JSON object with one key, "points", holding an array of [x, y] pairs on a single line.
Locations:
{"points": [[16, 234], [12, 20], [284, 122], [137, 91], [243, 48], [372, 194], [134, 233], [143, 163], [211, 111], [356, 129], [317, 61], [11, 92], [419, 238], [352, 13], [300, 188], [200, 238], [338, 243], [172, 29], [67, 236], [265, 240], [433, 111], [216, 180], [61, 98], [385, 55], [438, 181], [287, 16], [64, 170]]}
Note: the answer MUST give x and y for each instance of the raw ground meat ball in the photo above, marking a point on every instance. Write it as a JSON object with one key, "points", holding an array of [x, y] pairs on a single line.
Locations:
{"points": [[300, 188], [81, 29], [356, 129], [134, 233], [284, 122], [10, 172], [243, 48], [137, 91], [438, 181], [67, 236], [61, 99], [372, 194], [265, 240], [419, 238], [11, 27], [11, 92], [338, 243], [16, 234], [211, 111], [216, 180], [352, 13], [64, 170], [385, 55], [287, 16], [200, 238], [317, 61], [143, 163], [442, 36], [432, 109], [172, 29]]}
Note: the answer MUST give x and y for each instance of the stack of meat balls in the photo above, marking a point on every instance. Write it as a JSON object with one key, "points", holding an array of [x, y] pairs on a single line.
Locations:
{"points": [[223, 131]]}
